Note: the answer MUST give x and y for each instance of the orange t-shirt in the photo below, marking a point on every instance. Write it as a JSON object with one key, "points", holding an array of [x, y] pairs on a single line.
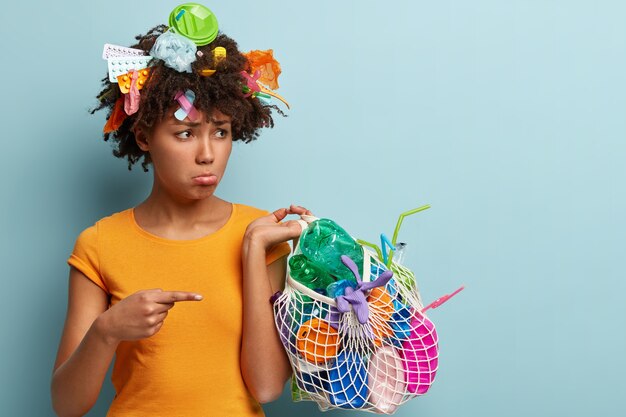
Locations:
{"points": [[191, 366]]}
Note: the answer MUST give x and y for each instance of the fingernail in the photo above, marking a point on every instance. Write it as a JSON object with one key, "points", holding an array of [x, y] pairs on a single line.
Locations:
{"points": [[197, 297]]}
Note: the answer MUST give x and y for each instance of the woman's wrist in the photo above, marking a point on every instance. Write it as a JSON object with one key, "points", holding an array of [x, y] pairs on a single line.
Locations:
{"points": [[253, 244], [101, 328]]}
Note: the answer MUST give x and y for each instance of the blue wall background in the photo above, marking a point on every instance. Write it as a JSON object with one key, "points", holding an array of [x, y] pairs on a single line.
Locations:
{"points": [[507, 117]]}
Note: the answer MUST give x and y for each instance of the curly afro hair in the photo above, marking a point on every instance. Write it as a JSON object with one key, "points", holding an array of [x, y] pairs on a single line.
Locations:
{"points": [[221, 91]]}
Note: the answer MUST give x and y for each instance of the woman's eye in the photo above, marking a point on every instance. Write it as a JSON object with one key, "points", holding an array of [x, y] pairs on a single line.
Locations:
{"points": [[184, 135], [221, 133]]}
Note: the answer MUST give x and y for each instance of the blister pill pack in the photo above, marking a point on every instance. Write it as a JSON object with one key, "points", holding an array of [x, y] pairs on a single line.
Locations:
{"points": [[121, 65], [116, 51]]}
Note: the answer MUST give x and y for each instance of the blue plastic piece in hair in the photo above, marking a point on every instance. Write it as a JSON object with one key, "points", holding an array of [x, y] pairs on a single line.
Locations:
{"points": [[177, 51]]}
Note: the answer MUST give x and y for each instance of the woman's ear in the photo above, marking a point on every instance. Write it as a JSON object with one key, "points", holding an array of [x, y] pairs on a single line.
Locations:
{"points": [[141, 138]]}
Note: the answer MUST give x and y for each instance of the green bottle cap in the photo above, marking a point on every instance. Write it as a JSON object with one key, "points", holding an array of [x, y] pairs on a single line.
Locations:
{"points": [[195, 22]]}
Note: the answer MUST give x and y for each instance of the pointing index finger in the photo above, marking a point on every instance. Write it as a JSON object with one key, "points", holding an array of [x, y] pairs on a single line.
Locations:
{"points": [[167, 297]]}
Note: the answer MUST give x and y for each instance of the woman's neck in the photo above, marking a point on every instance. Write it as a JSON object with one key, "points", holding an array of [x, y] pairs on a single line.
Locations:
{"points": [[164, 210]]}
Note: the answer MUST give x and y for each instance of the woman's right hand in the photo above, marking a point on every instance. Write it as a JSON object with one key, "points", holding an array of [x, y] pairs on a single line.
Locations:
{"points": [[141, 315]]}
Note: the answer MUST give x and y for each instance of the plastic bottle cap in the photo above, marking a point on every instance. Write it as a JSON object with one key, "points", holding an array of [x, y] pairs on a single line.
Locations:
{"points": [[194, 21]]}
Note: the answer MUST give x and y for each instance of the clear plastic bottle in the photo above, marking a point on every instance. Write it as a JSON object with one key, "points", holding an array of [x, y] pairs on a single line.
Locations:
{"points": [[398, 255]]}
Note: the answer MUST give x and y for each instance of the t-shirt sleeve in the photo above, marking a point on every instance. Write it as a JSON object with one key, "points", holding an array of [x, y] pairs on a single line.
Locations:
{"points": [[277, 252], [84, 257]]}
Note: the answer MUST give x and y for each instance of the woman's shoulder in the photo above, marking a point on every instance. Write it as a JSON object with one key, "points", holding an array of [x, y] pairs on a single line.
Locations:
{"points": [[246, 214], [113, 220], [116, 217], [91, 235], [245, 210]]}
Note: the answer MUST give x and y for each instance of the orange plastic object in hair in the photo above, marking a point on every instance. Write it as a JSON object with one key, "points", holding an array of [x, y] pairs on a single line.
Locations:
{"points": [[117, 117], [207, 72], [381, 302], [124, 80], [317, 341], [265, 62]]}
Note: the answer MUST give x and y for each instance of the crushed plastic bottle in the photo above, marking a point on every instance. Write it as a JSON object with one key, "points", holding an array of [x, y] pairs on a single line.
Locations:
{"points": [[324, 241], [305, 272]]}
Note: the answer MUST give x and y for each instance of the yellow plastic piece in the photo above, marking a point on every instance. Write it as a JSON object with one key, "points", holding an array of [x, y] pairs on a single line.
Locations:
{"points": [[124, 80], [219, 53]]}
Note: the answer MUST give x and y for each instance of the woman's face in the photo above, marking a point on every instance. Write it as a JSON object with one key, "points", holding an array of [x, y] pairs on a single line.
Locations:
{"points": [[189, 158]]}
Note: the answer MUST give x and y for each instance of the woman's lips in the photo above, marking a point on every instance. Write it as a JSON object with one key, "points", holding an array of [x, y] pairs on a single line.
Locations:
{"points": [[205, 180]]}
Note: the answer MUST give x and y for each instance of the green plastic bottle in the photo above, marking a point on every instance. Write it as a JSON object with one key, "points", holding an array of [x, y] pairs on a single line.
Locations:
{"points": [[303, 271], [324, 241]]}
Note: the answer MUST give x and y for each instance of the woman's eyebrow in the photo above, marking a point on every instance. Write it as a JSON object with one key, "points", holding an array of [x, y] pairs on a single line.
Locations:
{"points": [[219, 122], [190, 124], [194, 124]]}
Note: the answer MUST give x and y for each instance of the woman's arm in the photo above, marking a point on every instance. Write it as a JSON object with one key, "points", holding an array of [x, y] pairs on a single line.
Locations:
{"points": [[264, 364], [92, 332], [84, 353]]}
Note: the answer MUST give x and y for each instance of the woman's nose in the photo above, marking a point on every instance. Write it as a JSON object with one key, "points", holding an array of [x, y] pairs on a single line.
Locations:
{"points": [[205, 151]]}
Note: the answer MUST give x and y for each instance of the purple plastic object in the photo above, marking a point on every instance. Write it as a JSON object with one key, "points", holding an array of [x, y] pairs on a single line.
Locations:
{"points": [[356, 297], [420, 355], [284, 322]]}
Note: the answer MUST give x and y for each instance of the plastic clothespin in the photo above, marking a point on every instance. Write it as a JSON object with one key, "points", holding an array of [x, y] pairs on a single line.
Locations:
{"points": [[439, 301]]}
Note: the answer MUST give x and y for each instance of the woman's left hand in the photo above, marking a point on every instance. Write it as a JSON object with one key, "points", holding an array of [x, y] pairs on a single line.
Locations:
{"points": [[267, 231]]}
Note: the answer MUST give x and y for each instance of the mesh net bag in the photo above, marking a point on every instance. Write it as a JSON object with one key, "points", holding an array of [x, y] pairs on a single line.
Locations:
{"points": [[353, 328]]}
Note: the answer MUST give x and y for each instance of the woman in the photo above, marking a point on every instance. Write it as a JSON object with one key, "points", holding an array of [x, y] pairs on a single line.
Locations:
{"points": [[178, 286]]}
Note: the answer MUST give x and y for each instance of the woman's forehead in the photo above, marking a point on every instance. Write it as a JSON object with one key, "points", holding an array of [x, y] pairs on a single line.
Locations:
{"points": [[214, 116], [218, 115]]}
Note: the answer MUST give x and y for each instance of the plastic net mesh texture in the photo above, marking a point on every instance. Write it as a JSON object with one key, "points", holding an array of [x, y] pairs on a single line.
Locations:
{"points": [[339, 362]]}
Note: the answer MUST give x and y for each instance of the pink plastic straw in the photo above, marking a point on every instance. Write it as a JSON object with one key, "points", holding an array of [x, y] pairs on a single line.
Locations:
{"points": [[439, 301]]}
